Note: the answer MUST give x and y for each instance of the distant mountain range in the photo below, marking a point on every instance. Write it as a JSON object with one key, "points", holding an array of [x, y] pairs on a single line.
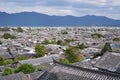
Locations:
{"points": [[38, 19]]}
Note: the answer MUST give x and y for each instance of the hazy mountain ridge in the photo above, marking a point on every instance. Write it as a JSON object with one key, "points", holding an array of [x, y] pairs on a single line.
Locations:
{"points": [[38, 19]]}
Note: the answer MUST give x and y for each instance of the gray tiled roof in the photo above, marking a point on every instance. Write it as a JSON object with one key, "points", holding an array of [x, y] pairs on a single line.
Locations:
{"points": [[109, 61], [18, 76], [69, 72], [39, 61], [8, 56], [84, 64], [36, 75], [2, 68]]}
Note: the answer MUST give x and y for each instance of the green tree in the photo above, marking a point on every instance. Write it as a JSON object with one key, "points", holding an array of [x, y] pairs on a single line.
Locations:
{"points": [[81, 46], [116, 39], [65, 61], [106, 48], [8, 61], [53, 41], [40, 50], [25, 68], [65, 43], [65, 32], [8, 71], [46, 41], [59, 42], [7, 35], [20, 57], [71, 55], [1, 60], [97, 35], [68, 40], [0, 42]]}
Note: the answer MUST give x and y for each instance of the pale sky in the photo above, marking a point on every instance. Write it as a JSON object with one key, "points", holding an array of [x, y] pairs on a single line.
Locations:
{"points": [[108, 8]]}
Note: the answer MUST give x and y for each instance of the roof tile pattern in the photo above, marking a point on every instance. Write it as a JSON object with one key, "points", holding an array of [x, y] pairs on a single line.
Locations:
{"points": [[109, 61], [18, 76], [63, 72]]}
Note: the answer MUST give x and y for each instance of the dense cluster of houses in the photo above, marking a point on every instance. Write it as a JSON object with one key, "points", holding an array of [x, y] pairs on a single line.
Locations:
{"points": [[105, 67]]}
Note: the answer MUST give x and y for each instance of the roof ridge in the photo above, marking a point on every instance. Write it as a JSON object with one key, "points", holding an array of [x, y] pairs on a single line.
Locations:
{"points": [[85, 69]]}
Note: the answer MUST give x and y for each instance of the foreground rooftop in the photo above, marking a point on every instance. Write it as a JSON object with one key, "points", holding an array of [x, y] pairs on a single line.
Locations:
{"points": [[68, 72]]}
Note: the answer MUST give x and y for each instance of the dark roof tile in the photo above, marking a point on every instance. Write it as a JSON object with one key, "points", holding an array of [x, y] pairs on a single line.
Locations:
{"points": [[69, 72], [109, 61], [18, 76]]}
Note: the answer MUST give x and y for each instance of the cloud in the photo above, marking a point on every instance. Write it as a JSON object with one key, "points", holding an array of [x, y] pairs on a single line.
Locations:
{"points": [[109, 8]]}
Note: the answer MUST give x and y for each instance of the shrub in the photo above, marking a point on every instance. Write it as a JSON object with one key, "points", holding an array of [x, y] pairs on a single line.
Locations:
{"points": [[8, 61], [53, 41], [116, 39], [65, 32], [71, 55], [59, 42], [8, 71], [41, 67], [7, 35], [81, 46], [65, 61], [46, 41], [97, 35], [21, 58], [25, 68], [106, 48], [65, 43], [40, 50], [1, 60]]}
